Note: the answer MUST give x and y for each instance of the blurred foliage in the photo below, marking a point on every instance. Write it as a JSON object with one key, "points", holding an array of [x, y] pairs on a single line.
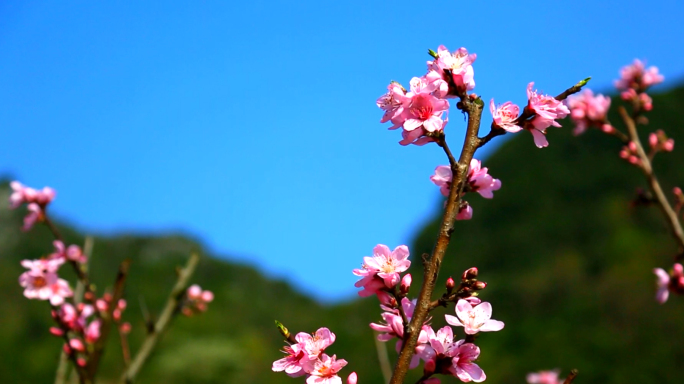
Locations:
{"points": [[567, 258]]}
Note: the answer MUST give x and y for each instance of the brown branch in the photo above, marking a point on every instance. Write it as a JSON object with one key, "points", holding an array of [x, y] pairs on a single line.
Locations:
{"points": [[571, 377], [459, 169], [107, 320], [171, 309], [660, 198]]}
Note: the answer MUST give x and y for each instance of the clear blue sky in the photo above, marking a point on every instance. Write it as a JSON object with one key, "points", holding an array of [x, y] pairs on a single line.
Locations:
{"points": [[252, 125]]}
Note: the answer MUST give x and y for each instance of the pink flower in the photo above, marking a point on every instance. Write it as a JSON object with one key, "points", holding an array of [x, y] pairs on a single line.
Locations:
{"points": [[35, 215], [22, 194], [394, 327], [462, 363], [465, 212], [672, 282], [637, 77], [474, 320], [392, 103], [456, 69], [424, 109], [506, 116], [544, 377], [41, 281], [325, 370], [480, 181], [546, 110], [294, 363], [385, 265], [92, 331], [315, 344], [587, 110], [442, 178], [659, 141]]}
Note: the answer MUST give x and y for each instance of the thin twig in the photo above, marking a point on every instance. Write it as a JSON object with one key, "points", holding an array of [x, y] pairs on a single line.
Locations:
{"points": [[645, 165], [383, 358], [528, 113], [571, 377], [107, 320], [171, 309]]}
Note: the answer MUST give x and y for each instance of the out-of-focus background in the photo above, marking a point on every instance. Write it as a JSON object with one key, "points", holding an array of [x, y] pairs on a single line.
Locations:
{"points": [[249, 132]]}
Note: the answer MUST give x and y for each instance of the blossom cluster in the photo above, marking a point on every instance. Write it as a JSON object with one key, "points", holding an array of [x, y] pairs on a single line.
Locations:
{"points": [[421, 110], [36, 201], [77, 320], [306, 357], [439, 350]]}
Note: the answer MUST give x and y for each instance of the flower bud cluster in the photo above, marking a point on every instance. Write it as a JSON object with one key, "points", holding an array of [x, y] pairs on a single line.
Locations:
{"points": [[196, 300], [658, 141], [80, 326], [629, 152], [479, 180], [669, 282]]}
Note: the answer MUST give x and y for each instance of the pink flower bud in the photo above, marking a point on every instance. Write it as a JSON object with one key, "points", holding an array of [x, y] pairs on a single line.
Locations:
{"points": [[450, 284], [81, 362], [677, 191], [122, 304], [187, 311], [607, 128], [56, 331], [107, 297], [101, 305], [66, 349], [116, 314], [194, 292], [207, 296], [632, 146], [125, 328], [678, 269], [653, 140], [668, 146], [352, 379], [429, 367], [405, 283], [77, 345], [480, 285], [469, 274], [633, 160], [385, 298]]}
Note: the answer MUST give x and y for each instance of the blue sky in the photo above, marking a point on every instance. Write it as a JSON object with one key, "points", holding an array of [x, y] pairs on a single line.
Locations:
{"points": [[252, 125]]}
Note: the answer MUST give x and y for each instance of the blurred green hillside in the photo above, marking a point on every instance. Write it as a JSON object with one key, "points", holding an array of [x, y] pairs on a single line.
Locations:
{"points": [[568, 261]]}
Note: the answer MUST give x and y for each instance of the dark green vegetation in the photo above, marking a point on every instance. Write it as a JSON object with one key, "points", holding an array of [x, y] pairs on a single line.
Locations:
{"points": [[567, 259]]}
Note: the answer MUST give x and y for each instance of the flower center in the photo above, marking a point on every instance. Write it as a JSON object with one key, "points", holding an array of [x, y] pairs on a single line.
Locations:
{"points": [[421, 107], [39, 282]]}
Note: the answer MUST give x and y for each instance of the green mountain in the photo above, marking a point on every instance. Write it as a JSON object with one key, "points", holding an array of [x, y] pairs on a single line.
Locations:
{"points": [[567, 258]]}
